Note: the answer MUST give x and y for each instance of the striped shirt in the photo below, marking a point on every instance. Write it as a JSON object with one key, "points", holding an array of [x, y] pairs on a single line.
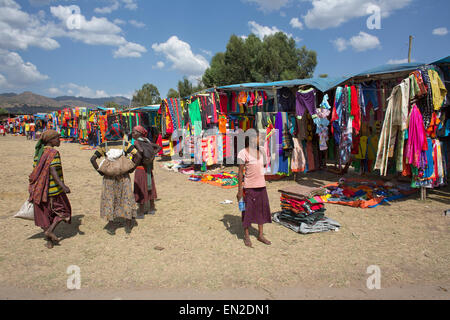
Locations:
{"points": [[127, 147], [54, 189]]}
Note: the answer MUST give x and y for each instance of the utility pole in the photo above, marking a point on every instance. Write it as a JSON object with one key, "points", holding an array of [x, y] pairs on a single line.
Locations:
{"points": [[409, 51]]}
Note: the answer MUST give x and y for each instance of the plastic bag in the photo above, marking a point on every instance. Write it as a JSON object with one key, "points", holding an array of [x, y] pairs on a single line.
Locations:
{"points": [[26, 211]]}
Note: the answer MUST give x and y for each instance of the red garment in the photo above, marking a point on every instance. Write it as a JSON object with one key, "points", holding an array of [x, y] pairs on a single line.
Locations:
{"points": [[355, 110], [57, 208], [223, 103]]}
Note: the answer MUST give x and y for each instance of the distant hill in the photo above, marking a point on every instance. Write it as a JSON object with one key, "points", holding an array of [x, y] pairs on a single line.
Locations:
{"points": [[29, 102]]}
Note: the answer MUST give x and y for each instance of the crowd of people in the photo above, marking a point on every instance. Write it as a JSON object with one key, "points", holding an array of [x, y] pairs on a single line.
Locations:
{"points": [[119, 199]]}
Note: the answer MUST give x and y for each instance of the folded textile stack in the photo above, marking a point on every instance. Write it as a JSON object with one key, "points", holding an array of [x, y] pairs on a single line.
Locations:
{"points": [[303, 215]]}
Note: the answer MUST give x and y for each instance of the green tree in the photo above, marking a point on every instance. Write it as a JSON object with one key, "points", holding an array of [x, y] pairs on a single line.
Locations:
{"points": [[252, 60], [3, 111], [147, 95], [112, 104], [185, 87], [172, 93]]}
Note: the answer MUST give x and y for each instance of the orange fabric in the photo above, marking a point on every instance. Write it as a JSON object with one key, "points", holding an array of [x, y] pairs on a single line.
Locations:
{"points": [[242, 98], [223, 124]]}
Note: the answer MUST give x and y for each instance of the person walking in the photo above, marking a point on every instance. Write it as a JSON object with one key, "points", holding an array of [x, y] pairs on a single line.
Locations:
{"points": [[252, 188], [144, 181], [117, 197], [47, 189]]}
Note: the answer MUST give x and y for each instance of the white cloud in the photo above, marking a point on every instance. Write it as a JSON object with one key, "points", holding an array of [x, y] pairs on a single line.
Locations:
{"points": [[333, 13], [83, 91], [440, 31], [119, 21], [99, 31], [108, 9], [137, 24], [115, 5], [399, 61], [180, 54], [295, 23], [361, 42], [159, 65], [55, 92], [364, 41], [262, 31], [340, 44], [130, 4], [3, 81], [207, 52], [16, 73], [269, 5], [130, 50], [19, 30]]}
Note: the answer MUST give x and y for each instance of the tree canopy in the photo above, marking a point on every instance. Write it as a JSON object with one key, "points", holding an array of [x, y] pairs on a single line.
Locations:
{"points": [[251, 60], [172, 93], [147, 95]]}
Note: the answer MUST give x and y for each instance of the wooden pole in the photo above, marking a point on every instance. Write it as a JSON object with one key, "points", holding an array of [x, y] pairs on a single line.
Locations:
{"points": [[410, 47]]}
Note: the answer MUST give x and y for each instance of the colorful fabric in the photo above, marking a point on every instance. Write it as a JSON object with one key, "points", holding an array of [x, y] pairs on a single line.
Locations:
{"points": [[39, 179], [114, 132]]}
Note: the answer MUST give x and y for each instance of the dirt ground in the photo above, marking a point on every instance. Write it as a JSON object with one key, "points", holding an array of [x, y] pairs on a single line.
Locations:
{"points": [[203, 253]]}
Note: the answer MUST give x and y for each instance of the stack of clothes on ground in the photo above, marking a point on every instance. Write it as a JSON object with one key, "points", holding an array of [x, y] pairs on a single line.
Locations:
{"points": [[364, 193], [225, 180], [302, 213]]}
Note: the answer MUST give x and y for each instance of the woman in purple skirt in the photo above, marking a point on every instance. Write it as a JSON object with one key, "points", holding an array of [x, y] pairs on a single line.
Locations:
{"points": [[252, 188]]}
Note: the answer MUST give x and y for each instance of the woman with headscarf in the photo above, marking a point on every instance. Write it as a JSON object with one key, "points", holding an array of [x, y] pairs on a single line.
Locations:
{"points": [[117, 198], [144, 181], [48, 192]]}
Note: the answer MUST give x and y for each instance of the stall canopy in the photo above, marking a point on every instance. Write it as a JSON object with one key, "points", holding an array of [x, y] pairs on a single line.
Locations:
{"points": [[322, 84], [150, 108], [443, 60]]}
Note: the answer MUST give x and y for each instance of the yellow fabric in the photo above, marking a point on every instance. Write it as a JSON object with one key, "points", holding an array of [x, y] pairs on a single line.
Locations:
{"points": [[438, 89], [362, 149]]}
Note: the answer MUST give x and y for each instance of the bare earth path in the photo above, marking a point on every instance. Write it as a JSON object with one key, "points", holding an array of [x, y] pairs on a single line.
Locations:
{"points": [[203, 254]]}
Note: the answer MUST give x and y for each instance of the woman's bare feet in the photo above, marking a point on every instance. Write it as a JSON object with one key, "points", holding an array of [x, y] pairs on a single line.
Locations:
{"points": [[49, 243], [247, 242], [52, 236], [264, 240]]}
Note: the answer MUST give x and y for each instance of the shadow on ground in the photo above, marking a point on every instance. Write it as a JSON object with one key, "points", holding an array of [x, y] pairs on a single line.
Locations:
{"points": [[233, 224], [64, 230]]}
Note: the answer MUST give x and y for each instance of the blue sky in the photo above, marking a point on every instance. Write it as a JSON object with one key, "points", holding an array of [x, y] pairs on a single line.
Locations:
{"points": [[101, 48]]}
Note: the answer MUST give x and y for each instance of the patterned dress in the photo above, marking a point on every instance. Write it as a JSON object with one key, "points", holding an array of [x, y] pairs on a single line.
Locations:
{"points": [[117, 199]]}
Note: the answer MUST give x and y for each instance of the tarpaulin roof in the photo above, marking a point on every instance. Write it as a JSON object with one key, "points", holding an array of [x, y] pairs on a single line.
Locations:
{"points": [[390, 68], [146, 108], [322, 84], [443, 60]]}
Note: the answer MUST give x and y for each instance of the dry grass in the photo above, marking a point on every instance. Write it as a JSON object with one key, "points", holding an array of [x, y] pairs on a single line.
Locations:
{"points": [[202, 239]]}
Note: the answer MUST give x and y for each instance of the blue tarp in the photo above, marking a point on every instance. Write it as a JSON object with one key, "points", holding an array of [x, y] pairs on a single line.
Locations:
{"points": [[390, 68], [152, 108], [443, 60], [325, 84], [322, 84]]}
